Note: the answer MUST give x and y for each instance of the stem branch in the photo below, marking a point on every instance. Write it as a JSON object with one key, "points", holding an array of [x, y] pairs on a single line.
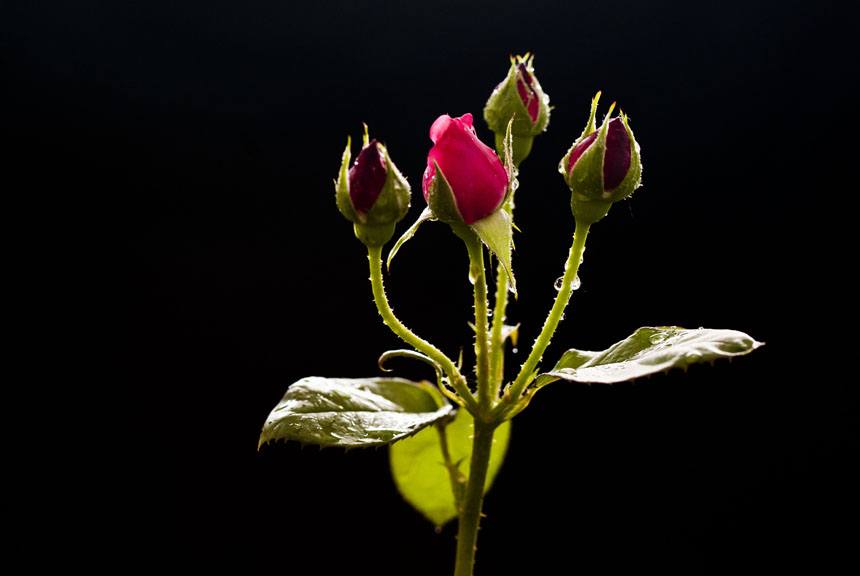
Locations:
{"points": [[570, 269], [497, 344], [482, 351], [374, 256]]}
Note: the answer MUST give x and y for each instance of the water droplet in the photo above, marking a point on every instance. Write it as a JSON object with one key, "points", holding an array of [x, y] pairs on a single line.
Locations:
{"points": [[559, 281], [514, 350], [515, 184], [576, 283], [658, 337], [692, 357]]}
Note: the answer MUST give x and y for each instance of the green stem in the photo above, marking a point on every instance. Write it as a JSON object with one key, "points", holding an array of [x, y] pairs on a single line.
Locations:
{"points": [[497, 344], [482, 350], [570, 269], [374, 256], [470, 519]]}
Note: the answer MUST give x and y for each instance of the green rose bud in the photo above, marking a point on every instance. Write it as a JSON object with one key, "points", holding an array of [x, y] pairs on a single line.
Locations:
{"points": [[372, 193], [519, 96], [603, 166]]}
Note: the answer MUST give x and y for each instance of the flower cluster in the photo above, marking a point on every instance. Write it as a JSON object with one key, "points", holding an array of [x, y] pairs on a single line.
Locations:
{"points": [[465, 180]]}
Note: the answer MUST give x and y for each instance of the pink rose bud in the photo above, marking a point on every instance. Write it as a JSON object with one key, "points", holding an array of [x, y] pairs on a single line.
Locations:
{"points": [[476, 177]]}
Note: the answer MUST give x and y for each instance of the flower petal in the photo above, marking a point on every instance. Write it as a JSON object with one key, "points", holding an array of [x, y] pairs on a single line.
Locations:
{"points": [[477, 177], [616, 162], [580, 148], [367, 178]]}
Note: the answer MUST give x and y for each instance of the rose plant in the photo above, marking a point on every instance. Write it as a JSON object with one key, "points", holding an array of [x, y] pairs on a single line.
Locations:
{"points": [[448, 438]]}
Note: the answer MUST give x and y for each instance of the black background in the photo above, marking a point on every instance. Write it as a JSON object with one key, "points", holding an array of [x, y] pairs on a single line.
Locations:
{"points": [[201, 140]]}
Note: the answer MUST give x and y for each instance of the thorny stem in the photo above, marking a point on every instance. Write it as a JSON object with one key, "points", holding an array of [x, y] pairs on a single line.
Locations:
{"points": [[497, 343], [458, 382], [570, 269], [470, 519], [482, 438], [482, 352]]}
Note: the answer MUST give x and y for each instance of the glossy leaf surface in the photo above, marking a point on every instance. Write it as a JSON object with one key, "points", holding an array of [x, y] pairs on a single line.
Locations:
{"points": [[419, 468], [649, 351], [352, 413]]}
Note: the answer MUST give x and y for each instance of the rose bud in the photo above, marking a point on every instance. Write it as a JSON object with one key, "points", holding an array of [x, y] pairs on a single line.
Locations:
{"points": [[519, 96], [372, 193], [464, 181], [602, 166]]}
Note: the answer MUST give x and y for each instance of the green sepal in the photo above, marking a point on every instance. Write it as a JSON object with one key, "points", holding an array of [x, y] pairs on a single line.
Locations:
{"points": [[495, 232], [419, 470], [590, 127], [522, 147], [425, 215], [352, 412], [505, 102], [648, 351], [341, 186], [441, 200], [394, 199]]}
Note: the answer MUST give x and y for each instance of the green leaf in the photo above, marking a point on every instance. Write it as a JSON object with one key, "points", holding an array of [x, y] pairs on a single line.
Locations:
{"points": [[425, 215], [649, 351], [495, 231], [352, 413], [419, 470]]}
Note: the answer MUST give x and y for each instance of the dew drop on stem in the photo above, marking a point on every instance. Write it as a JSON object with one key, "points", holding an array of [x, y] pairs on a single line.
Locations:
{"points": [[574, 285]]}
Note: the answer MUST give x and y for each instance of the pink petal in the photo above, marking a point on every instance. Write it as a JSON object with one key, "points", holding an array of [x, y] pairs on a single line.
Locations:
{"points": [[581, 147], [440, 125], [476, 175]]}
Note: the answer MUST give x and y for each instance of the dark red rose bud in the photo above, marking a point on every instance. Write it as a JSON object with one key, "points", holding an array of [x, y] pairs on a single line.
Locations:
{"points": [[616, 160], [367, 178], [603, 166], [371, 192]]}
